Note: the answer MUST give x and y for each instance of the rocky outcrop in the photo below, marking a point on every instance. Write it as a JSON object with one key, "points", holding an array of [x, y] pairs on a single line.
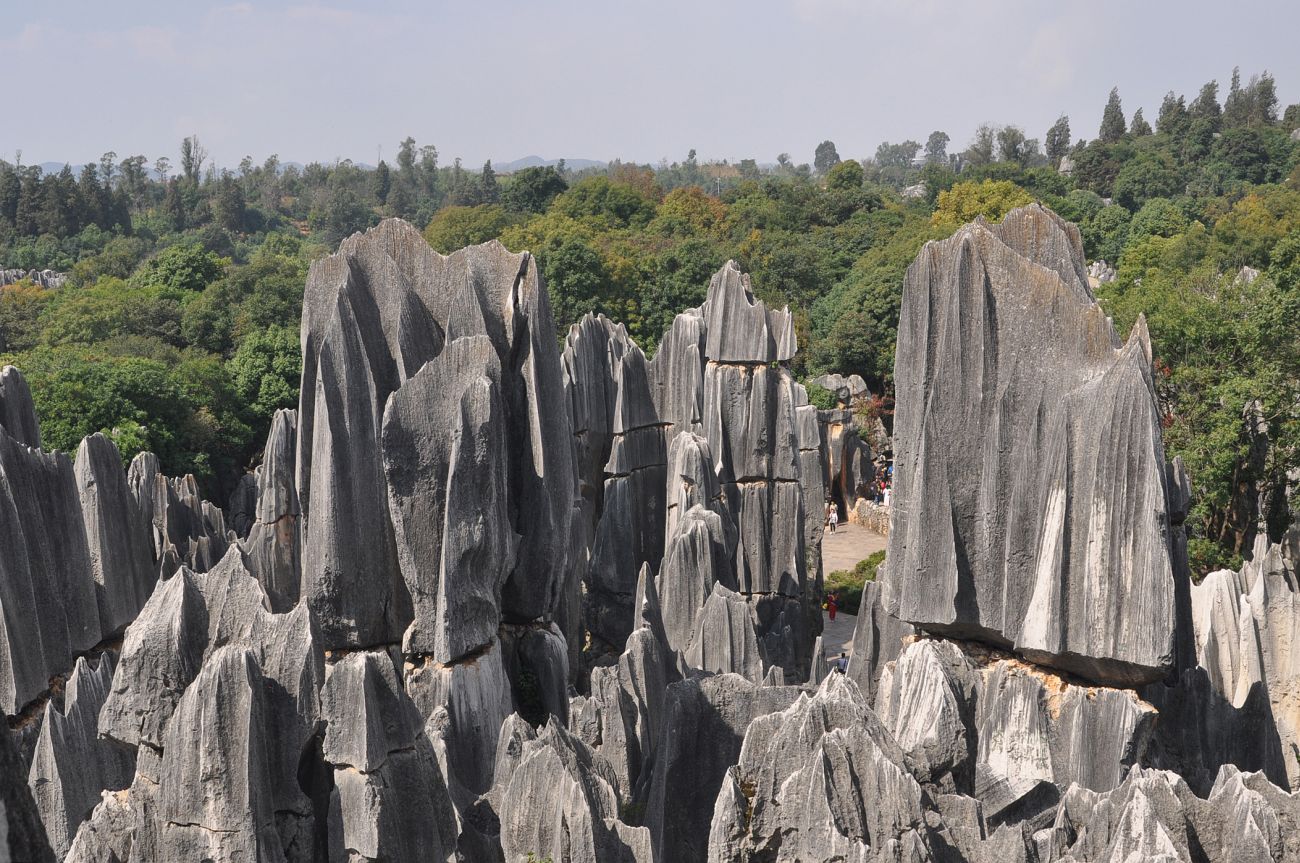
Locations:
{"points": [[820, 780], [374, 314], [1030, 500], [71, 765], [120, 557], [17, 413], [1237, 702], [50, 280], [22, 837], [1154, 816], [560, 802], [622, 464], [734, 390], [389, 800], [703, 728], [273, 542], [445, 461], [186, 529]]}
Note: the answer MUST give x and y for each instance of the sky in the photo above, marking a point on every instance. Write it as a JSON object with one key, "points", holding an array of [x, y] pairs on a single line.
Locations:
{"points": [[640, 81]]}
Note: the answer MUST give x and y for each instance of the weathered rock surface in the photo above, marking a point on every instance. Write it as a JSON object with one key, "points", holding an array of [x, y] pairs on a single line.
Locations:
{"points": [[17, 413], [560, 802], [1238, 704], [621, 460], [445, 462], [71, 764], [1029, 497], [820, 780], [733, 389], [374, 314], [22, 837], [389, 800], [703, 727], [273, 542], [186, 528], [877, 640], [121, 561]]}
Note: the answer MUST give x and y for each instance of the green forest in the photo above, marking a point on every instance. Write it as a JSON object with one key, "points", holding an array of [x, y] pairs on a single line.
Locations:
{"points": [[177, 329]]}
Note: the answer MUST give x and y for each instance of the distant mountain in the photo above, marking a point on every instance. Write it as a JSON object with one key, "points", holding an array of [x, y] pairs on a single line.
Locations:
{"points": [[539, 162]]}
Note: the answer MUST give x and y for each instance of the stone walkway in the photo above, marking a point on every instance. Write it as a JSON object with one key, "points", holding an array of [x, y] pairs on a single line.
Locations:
{"points": [[842, 550]]}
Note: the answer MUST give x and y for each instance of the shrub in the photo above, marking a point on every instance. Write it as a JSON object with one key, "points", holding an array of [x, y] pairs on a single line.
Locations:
{"points": [[849, 583]]}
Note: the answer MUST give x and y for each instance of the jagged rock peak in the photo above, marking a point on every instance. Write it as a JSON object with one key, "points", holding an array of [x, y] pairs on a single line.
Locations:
{"points": [[741, 329], [17, 412], [1055, 542]]}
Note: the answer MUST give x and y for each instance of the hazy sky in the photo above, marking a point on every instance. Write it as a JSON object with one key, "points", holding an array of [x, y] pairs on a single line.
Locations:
{"points": [[635, 80]]}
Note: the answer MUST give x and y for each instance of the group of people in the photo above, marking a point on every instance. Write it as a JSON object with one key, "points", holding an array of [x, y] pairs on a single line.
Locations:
{"points": [[884, 482], [832, 514]]}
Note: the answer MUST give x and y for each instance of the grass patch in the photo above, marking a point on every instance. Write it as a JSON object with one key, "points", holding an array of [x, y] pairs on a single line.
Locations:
{"points": [[848, 583]]}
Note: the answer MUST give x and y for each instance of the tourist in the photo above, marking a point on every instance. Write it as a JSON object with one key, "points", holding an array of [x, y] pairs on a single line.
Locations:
{"points": [[834, 517], [842, 663], [832, 603]]}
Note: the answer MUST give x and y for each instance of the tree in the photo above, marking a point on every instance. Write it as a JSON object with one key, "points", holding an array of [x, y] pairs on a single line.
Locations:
{"points": [[1206, 104], [845, 175], [1173, 117], [383, 182], [532, 189], [1058, 140], [1013, 147], [265, 371], [896, 155], [1139, 127], [1113, 126], [825, 157], [981, 149], [228, 206], [455, 227], [936, 148], [193, 155], [991, 199], [489, 189]]}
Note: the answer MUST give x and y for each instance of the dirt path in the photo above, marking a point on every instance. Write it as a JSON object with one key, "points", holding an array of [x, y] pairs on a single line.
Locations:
{"points": [[842, 550]]}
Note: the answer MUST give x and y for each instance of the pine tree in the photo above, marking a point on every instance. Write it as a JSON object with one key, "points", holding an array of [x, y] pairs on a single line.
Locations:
{"points": [[1113, 126], [1058, 139], [489, 189], [1139, 127]]}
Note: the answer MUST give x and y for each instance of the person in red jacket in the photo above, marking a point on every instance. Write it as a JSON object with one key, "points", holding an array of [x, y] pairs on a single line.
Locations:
{"points": [[832, 603]]}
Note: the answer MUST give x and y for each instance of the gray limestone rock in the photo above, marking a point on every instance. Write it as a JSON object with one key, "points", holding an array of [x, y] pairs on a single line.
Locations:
{"points": [[120, 551], [1030, 503], [22, 838], [877, 640], [389, 800], [273, 542], [17, 413], [374, 314], [161, 654], [24, 663], [703, 727], [724, 639], [475, 693], [621, 461], [561, 803], [821, 780], [698, 558], [742, 329], [44, 491], [241, 511], [71, 765], [215, 784], [445, 461]]}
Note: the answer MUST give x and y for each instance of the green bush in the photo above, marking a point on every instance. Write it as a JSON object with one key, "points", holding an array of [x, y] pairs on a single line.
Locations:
{"points": [[848, 584], [820, 397]]}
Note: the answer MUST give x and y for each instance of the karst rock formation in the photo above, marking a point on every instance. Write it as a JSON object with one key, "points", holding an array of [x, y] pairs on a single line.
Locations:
{"points": [[494, 596]]}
